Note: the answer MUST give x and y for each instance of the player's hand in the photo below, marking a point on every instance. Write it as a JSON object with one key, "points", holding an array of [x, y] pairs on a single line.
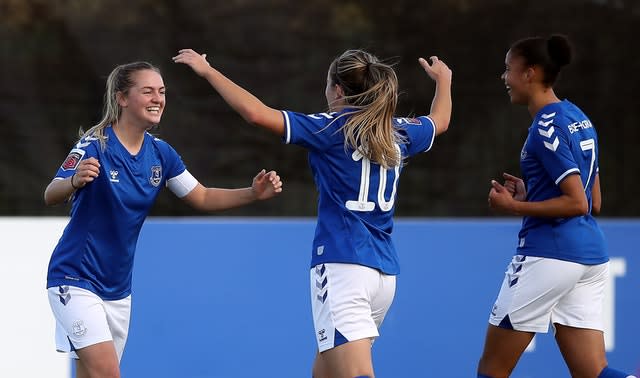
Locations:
{"points": [[86, 171], [197, 62], [437, 70], [515, 186], [500, 199], [266, 184]]}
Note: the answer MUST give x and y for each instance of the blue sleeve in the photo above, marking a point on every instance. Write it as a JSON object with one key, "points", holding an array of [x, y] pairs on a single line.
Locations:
{"points": [[84, 149], [170, 159], [312, 131], [420, 133], [551, 145]]}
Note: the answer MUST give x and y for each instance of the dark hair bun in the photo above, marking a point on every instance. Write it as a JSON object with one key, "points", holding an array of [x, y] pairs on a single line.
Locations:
{"points": [[559, 49]]}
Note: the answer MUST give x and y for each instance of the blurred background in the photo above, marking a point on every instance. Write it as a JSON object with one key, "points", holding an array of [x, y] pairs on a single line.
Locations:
{"points": [[54, 60], [55, 56]]}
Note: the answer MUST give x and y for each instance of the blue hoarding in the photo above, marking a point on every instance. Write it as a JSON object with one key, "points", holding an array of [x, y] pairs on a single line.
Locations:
{"points": [[229, 298]]}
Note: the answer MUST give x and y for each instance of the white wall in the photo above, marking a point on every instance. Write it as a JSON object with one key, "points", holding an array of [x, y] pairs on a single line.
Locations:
{"points": [[27, 347]]}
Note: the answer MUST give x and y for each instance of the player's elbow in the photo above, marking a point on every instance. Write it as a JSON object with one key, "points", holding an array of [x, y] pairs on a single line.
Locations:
{"points": [[49, 198], [442, 123], [254, 115], [581, 207]]}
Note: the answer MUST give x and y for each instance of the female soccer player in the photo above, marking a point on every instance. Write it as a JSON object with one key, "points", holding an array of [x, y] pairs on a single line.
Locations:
{"points": [[356, 153], [113, 176], [561, 264]]}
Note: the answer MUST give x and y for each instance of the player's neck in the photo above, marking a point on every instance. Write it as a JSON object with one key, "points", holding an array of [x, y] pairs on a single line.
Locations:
{"points": [[540, 99], [130, 137]]}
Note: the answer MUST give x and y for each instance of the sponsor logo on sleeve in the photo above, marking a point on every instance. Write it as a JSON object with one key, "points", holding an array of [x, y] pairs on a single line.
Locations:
{"points": [[408, 121], [73, 159]]}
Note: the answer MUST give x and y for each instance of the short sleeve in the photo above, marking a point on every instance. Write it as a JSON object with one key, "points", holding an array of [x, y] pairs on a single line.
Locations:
{"points": [[420, 133], [551, 146], [312, 131], [84, 149]]}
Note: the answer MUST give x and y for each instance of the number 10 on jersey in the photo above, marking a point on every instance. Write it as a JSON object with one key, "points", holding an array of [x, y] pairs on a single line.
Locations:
{"points": [[362, 204]]}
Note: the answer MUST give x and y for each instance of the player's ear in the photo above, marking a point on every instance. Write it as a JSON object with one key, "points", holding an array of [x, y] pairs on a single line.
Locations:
{"points": [[530, 73], [121, 99], [339, 91]]}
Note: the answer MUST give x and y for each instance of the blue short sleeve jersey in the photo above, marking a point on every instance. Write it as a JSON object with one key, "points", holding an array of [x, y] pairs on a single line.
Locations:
{"points": [[97, 247], [561, 141], [356, 196]]}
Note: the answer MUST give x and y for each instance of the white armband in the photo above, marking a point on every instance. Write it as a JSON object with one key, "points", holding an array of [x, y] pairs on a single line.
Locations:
{"points": [[182, 184]]}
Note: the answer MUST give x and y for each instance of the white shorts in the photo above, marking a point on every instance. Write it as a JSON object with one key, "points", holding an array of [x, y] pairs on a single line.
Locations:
{"points": [[537, 291], [349, 302], [84, 319]]}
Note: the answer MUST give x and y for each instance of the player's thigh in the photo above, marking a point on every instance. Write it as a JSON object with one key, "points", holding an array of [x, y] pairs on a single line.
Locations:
{"points": [[84, 319], [348, 301], [98, 361], [531, 288], [578, 322], [502, 350], [582, 306], [582, 349], [349, 360]]}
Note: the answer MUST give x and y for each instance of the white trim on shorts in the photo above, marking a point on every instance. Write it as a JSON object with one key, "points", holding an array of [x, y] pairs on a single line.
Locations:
{"points": [[84, 319], [349, 300], [537, 291]]}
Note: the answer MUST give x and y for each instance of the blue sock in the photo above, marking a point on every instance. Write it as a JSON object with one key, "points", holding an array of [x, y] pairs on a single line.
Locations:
{"points": [[362, 376], [483, 376], [607, 372]]}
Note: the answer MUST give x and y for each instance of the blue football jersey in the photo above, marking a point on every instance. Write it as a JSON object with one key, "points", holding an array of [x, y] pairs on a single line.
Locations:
{"points": [[356, 196], [97, 247], [561, 141]]}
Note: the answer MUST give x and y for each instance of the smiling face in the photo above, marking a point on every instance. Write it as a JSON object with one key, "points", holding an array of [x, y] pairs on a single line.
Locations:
{"points": [[144, 102], [517, 78]]}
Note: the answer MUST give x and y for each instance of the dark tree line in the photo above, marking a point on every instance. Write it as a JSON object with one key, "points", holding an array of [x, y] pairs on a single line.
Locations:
{"points": [[55, 56]]}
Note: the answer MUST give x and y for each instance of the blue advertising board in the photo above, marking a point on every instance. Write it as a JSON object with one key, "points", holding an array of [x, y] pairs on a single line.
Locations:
{"points": [[229, 298]]}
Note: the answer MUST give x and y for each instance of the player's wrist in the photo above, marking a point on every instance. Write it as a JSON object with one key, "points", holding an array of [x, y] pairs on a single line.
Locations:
{"points": [[72, 184]]}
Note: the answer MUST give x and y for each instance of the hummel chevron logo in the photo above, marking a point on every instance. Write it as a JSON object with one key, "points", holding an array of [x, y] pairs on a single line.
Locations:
{"points": [[547, 116], [321, 283], [63, 294], [552, 146], [548, 133], [545, 124]]}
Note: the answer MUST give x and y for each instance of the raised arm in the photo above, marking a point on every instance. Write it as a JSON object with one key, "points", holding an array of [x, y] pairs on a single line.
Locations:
{"points": [[441, 104], [244, 103]]}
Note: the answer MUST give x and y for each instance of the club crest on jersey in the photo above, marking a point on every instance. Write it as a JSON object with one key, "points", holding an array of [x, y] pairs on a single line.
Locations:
{"points": [[73, 159], [156, 175]]}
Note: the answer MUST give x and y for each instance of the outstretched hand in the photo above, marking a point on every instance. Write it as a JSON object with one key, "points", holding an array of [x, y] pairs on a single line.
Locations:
{"points": [[266, 184], [437, 70], [197, 62]]}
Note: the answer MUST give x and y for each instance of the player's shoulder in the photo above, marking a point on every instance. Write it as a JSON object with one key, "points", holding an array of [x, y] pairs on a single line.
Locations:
{"points": [[156, 140], [160, 144], [410, 121]]}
